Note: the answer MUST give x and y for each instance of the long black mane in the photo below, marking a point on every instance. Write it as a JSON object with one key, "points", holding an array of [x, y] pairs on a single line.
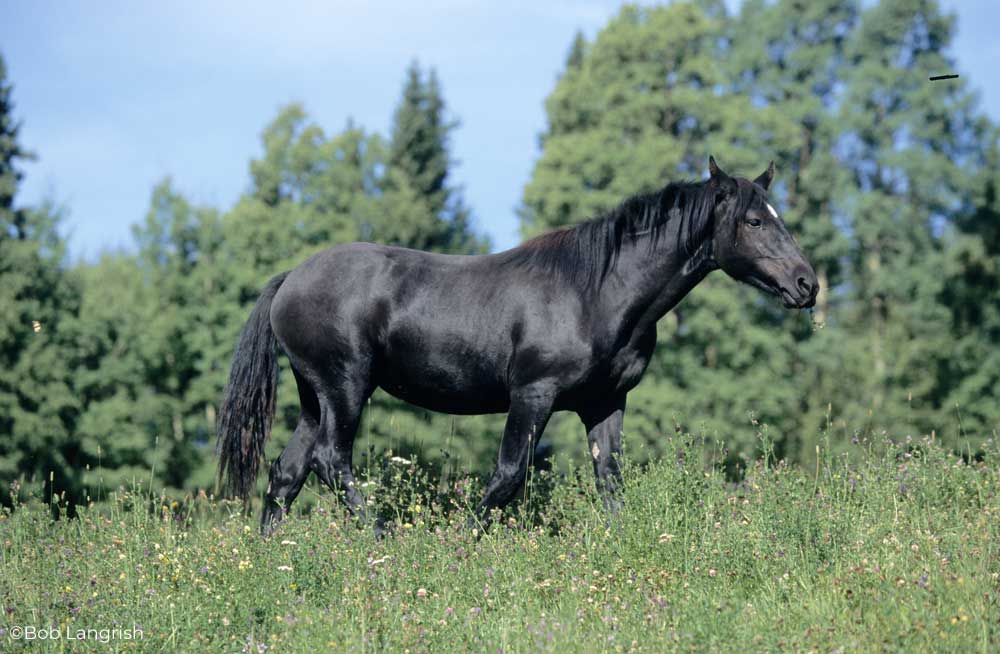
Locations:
{"points": [[586, 253]]}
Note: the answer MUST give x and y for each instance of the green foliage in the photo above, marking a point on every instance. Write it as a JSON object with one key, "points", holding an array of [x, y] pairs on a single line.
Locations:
{"points": [[154, 334], [888, 181], [969, 382], [420, 209], [37, 408], [910, 142], [885, 548], [876, 169]]}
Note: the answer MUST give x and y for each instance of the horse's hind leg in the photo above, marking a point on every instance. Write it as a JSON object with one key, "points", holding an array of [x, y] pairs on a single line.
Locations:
{"points": [[290, 470], [332, 457]]}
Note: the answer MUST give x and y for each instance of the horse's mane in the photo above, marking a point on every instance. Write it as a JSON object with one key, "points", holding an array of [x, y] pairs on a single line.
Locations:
{"points": [[587, 252]]}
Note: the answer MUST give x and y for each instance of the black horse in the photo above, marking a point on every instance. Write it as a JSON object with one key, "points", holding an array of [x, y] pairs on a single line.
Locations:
{"points": [[565, 321]]}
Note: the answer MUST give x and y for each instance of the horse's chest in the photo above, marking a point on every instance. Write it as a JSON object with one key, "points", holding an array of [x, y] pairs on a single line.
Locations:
{"points": [[627, 366]]}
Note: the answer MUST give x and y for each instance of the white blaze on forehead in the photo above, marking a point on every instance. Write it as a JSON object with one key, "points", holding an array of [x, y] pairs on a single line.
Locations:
{"points": [[771, 209]]}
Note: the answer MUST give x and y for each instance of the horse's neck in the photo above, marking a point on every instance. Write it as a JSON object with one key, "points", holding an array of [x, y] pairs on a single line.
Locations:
{"points": [[650, 282]]}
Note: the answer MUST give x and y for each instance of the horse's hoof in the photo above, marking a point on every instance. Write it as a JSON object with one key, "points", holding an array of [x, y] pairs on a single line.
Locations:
{"points": [[381, 529]]}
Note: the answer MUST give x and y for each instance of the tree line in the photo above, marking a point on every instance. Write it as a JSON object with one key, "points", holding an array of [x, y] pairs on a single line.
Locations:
{"points": [[111, 370]]}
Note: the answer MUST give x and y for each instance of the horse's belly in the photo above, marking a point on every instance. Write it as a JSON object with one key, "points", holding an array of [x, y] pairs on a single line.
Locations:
{"points": [[443, 401], [449, 386]]}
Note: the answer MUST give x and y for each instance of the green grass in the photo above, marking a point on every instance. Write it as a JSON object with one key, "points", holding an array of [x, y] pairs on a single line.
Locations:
{"points": [[885, 548]]}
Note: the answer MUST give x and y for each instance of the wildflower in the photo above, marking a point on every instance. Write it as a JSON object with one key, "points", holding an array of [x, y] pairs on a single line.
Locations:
{"points": [[288, 542], [400, 460], [421, 592], [285, 568]]}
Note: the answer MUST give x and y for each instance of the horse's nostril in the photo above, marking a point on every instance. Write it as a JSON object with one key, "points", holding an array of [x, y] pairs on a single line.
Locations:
{"points": [[804, 285]]}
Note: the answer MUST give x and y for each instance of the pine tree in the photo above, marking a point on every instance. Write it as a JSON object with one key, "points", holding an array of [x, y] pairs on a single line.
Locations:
{"points": [[116, 431], [37, 407], [790, 58], [906, 142], [577, 51], [421, 209], [642, 105], [970, 376]]}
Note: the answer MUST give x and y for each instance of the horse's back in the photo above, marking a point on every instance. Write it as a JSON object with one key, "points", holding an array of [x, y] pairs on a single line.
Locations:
{"points": [[416, 316], [447, 332]]}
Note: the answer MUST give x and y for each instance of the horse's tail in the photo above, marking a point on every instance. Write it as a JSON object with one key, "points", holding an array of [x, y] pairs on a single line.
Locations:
{"points": [[248, 402]]}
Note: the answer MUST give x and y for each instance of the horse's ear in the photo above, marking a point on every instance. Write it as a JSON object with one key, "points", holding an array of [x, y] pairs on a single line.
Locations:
{"points": [[765, 177], [713, 169]]}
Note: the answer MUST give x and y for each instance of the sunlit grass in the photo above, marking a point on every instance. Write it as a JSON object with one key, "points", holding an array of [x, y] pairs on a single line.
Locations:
{"points": [[890, 547]]}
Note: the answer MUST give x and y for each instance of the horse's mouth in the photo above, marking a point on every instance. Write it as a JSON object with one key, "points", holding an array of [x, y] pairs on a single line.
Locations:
{"points": [[790, 301]]}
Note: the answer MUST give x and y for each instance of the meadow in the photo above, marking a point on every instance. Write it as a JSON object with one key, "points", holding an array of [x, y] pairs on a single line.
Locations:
{"points": [[884, 546]]}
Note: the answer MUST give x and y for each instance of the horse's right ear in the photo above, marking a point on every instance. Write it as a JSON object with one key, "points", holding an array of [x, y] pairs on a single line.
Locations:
{"points": [[713, 169]]}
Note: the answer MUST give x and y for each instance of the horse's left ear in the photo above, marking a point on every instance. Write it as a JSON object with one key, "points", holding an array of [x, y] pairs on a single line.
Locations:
{"points": [[765, 177], [716, 173]]}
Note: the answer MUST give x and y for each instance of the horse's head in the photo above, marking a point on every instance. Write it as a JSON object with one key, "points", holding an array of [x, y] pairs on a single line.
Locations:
{"points": [[752, 244]]}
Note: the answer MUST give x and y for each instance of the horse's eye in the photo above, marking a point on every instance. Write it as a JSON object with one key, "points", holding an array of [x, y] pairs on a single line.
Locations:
{"points": [[754, 222]]}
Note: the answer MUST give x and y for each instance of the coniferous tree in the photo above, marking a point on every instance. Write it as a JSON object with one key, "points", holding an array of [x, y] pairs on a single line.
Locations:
{"points": [[873, 163], [37, 407], [152, 347], [645, 104], [790, 57], [907, 145], [422, 210], [109, 371], [969, 379]]}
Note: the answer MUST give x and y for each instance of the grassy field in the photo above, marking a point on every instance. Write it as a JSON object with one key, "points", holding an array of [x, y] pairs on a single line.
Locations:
{"points": [[887, 547]]}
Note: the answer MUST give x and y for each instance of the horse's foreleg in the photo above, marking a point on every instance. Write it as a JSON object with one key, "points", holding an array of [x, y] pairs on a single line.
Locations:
{"points": [[529, 412], [604, 438], [288, 474]]}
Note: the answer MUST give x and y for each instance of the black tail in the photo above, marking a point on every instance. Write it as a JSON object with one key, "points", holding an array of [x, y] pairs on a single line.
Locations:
{"points": [[248, 402]]}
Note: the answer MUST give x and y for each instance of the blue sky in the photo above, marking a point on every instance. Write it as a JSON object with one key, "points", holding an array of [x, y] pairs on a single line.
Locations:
{"points": [[114, 96]]}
